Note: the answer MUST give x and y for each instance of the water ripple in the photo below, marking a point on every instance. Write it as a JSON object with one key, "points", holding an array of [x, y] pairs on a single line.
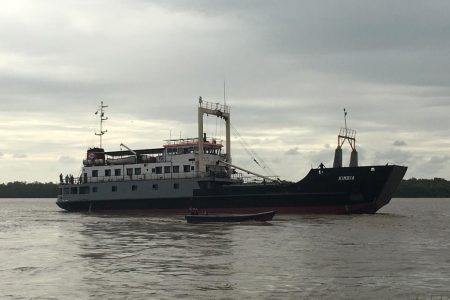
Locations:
{"points": [[401, 252]]}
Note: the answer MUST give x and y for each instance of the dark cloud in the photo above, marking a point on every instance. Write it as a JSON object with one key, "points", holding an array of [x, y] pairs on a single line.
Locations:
{"points": [[293, 151], [395, 43], [399, 143]]}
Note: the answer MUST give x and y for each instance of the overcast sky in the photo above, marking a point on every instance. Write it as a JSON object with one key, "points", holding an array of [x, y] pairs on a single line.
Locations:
{"points": [[290, 68]]}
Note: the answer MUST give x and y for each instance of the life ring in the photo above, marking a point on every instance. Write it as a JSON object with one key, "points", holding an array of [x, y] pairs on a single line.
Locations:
{"points": [[91, 156]]}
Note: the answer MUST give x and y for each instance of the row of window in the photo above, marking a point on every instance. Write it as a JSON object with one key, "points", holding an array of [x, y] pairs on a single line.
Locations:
{"points": [[85, 189], [175, 151], [134, 188], [137, 171]]}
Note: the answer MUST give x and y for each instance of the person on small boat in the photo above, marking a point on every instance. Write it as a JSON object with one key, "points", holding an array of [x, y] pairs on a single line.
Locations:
{"points": [[193, 211]]}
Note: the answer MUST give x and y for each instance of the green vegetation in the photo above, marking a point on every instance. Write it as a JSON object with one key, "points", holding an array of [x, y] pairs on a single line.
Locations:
{"points": [[28, 190], [410, 188], [423, 188]]}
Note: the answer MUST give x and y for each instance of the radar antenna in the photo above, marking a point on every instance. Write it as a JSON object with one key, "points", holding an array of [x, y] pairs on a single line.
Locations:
{"points": [[101, 110]]}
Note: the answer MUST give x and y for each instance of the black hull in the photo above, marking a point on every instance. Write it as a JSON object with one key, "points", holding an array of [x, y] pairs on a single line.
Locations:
{"points": [[328, 191]]}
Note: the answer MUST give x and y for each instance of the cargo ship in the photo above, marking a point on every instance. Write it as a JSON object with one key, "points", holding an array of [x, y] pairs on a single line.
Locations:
{"points": [[199, 173]]}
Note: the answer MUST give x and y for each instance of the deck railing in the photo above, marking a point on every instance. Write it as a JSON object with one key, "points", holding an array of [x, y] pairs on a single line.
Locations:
{"points": [[102, 179], [215, 106]]}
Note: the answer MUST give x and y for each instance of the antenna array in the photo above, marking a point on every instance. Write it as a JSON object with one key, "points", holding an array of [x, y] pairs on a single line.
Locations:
{"points": [[101, 110]]}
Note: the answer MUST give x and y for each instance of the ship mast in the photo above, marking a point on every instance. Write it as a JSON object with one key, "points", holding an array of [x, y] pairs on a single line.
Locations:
{"points": [[345, 118], [101, 110]]}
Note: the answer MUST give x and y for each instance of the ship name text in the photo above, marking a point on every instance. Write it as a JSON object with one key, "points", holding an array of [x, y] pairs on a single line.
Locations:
{"points": [[346, 178]]}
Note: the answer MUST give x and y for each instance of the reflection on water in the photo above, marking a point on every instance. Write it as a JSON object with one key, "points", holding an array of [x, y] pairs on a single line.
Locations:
{"points": [[142, 253], [402, 252]]}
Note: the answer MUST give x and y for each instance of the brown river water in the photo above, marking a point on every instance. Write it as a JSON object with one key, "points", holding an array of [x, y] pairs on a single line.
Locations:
{"points": [[402, 252]]}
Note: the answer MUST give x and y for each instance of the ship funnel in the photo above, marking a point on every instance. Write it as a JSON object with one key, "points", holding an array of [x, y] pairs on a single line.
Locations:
{"points": [[354, 158], [338, 158]]}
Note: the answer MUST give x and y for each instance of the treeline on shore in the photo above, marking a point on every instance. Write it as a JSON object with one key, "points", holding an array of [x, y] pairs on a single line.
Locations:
{"points": [[20, 189], [409, 188], [423, 188]]}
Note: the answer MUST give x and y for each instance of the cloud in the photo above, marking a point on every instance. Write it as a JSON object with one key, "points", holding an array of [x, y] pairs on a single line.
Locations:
{"points": [[433, 167], [393, 156], [68, 159], [289, 71], [439, 160], [293, 151], [399, 143], [19, 155]]}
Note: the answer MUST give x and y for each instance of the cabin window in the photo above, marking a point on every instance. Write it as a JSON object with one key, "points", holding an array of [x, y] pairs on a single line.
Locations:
{"points": [[158, 170], [155, 186], [167, 169], [134, 187], [84, 190], [94, 173], [114, 188], [186, 168], [192, 168], [66, 191], [94, 189], [74, 190], [60, 192], [108, 172], [153, 170], [117, 172], [176, 169], [129, 171], [176, 186], [137, 171]]}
